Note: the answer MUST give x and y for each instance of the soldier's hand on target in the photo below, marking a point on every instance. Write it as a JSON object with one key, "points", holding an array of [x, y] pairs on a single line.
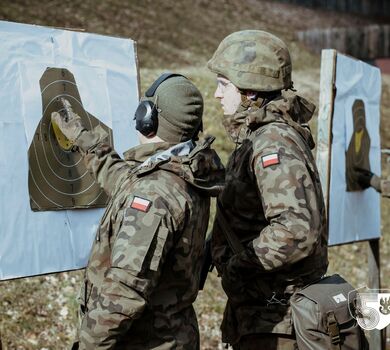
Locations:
{"points": [[70, 123], [364, 177]]}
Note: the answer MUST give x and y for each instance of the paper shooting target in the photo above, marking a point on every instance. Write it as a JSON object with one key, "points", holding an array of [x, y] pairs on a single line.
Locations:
{"points": [[58, 178], [357, 155]]}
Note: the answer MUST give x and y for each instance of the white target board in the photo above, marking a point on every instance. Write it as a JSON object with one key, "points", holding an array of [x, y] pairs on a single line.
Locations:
{"points": [[104, 70], [348, 138]]}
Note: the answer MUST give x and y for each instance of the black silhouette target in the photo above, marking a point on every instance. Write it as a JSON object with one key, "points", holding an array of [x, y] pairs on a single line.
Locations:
{"points": [[58, 178], [358, 152]]}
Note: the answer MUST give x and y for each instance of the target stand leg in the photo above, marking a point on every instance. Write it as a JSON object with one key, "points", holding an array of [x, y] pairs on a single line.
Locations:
{"points": [[377, 338]]}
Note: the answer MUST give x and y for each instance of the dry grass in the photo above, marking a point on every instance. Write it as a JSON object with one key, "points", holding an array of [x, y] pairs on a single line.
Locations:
{"points": [[40, 312]]}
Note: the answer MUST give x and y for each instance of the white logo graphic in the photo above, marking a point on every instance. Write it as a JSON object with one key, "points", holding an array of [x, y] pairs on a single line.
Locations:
{"points": [[339, 298], [370, 308]]}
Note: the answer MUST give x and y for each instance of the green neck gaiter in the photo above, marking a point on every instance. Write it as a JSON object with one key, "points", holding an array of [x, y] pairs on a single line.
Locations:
{"points": [[235, 125]]}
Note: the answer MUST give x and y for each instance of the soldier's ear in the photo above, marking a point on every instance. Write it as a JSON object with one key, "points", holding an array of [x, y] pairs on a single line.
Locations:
{"points": [[251, 95]]}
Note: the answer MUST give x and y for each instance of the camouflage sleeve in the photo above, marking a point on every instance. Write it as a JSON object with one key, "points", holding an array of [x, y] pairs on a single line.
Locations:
{"points": [[380, 185], [105, 165], [385, 187], [290, 205], [143, 239], [111, 315], [289, 201]]}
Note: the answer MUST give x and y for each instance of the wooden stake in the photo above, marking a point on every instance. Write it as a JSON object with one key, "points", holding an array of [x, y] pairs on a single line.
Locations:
{"points": [[374, 282]]}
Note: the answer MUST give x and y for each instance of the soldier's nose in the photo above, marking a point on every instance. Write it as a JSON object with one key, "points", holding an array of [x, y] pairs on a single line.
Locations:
{"points": [[217, 93]]}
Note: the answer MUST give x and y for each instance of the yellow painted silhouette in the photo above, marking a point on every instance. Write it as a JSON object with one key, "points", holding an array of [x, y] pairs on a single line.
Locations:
{"points": [[62, 140]]}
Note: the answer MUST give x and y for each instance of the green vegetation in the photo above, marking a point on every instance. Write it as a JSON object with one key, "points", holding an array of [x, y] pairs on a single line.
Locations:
{"points": [[40, 312]]}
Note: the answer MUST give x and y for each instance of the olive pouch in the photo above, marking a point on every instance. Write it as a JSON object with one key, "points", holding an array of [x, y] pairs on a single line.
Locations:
{"points": [[322, 316]]}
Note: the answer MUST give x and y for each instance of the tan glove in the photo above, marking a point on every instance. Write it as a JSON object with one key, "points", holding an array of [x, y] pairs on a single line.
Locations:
{"points": [[376, 183], [69, 122]]}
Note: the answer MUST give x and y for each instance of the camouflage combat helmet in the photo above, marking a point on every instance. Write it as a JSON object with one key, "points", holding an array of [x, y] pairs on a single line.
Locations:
{"points": [[253, 60]]}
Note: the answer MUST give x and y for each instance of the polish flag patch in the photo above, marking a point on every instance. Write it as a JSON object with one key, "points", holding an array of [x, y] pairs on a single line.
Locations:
{"points": [[270, 159], [140, 204]]}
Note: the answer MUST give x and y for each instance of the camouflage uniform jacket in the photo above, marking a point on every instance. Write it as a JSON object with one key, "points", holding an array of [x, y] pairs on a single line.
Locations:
{"points": [[274, 204], [143, 272]]}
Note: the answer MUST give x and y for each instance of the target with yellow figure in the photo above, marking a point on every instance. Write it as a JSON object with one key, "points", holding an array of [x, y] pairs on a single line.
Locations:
{"points": [[348, 145], [357, 155], [50, 204], [58, 178]]}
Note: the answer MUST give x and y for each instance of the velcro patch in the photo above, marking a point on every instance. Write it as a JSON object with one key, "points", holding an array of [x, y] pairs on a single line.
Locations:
{"points": [[339, 298], [140, 204], [270, 159]]}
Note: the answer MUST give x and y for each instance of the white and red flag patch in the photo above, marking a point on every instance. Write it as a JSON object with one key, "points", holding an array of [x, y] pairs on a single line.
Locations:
{"points": [[140, 204], [270, 159]]}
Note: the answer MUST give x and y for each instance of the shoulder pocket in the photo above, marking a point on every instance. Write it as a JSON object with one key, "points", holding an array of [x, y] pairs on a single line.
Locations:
{"points": [[158, 251], [135, 242]]}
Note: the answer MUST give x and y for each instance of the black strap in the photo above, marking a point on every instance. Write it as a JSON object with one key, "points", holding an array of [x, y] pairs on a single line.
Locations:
{"points": [[232, 239], [333, 331], [151, 91]]}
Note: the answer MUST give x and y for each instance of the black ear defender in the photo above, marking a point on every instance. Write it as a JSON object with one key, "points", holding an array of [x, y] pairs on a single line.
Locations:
{"points": [[146, 114]]}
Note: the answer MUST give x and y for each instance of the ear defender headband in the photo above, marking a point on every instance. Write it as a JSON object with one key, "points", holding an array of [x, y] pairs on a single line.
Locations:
{"points": [[146, 115]]}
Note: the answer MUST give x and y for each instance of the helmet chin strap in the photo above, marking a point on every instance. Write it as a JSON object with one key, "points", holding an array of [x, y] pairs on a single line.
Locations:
{"points": [[258, 98]]}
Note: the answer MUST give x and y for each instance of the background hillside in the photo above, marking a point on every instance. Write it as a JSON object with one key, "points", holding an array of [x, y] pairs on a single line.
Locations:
{"points": [[40, 312]]}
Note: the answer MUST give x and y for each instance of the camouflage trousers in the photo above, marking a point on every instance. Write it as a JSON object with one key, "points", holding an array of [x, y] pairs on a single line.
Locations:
{"points": [[266, 341]]}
